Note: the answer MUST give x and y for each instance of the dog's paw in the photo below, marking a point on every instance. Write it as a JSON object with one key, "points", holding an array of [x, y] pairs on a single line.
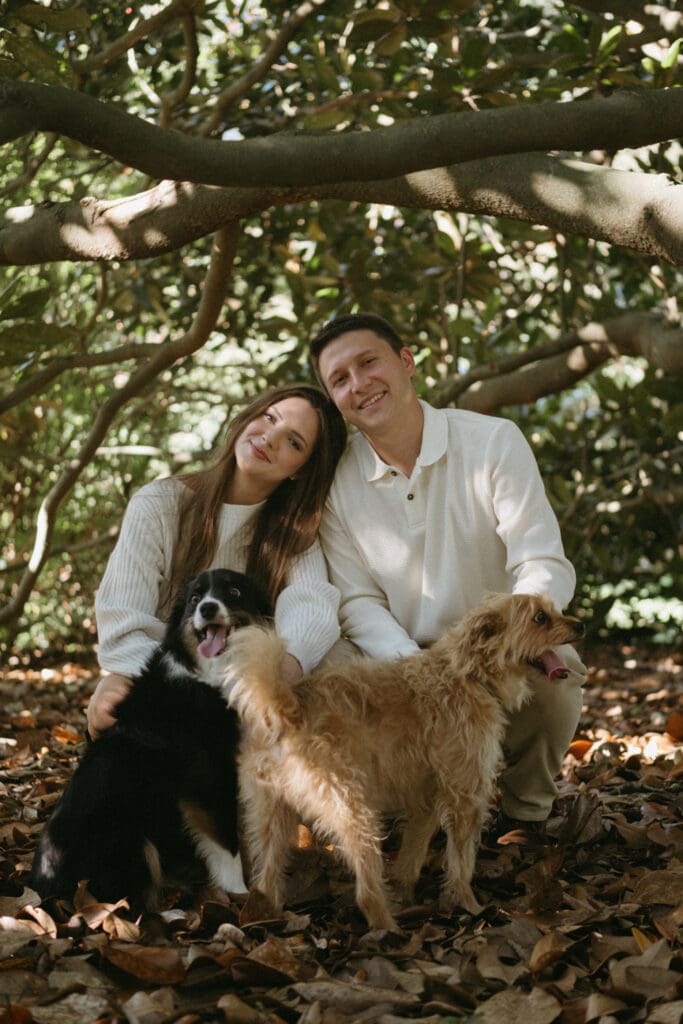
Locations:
{"points": [[382, 923], [463, 897], [401, 892]]}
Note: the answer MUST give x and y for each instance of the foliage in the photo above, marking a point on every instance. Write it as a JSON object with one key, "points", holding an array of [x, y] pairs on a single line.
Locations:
{"points": [[467, 290]]}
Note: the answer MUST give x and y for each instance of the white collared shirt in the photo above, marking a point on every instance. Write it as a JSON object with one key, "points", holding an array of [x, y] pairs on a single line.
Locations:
{"points": [[410, 556]]}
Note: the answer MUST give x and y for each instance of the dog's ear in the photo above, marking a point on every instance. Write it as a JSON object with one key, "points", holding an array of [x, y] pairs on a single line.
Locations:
{"points": [[180, 599], [485, 626]]}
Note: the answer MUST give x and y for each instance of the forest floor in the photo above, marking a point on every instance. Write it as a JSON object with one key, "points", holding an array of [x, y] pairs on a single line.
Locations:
{"points": [[584, 925]]}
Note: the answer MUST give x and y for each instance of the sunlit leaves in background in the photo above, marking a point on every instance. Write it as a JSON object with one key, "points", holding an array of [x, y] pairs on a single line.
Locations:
{"points": [[465, 290]]}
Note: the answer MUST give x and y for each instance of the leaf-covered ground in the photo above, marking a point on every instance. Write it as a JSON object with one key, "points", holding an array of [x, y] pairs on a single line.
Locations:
{"points": [[582, 926]]}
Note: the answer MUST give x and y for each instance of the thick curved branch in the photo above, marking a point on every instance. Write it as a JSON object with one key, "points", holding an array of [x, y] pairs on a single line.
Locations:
{"points": [[210, 305], [625, 119], [261, 67], [577, 355], [643, 212]]}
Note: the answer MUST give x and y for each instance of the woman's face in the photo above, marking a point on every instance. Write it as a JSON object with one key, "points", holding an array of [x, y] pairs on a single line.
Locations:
{"points": [[276, 444]]}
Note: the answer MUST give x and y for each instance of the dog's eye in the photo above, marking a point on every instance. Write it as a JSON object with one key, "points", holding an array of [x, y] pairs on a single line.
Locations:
{"points": [[194, 600], [541, 618], [235, 592]]}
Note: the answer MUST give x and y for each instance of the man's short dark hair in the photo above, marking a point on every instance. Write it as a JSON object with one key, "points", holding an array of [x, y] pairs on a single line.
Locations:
{"points": [[352, 322]]}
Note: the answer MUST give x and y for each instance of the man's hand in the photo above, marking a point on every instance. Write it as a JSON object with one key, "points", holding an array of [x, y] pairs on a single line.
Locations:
{"points": [[108, 694], [291, 669]]}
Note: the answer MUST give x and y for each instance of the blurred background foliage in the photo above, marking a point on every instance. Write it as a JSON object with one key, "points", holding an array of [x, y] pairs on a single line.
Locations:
{"points": [[465, 290]]}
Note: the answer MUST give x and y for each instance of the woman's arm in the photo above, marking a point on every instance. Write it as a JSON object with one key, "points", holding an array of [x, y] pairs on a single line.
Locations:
{"points": [[306, 610], [128, 602]]}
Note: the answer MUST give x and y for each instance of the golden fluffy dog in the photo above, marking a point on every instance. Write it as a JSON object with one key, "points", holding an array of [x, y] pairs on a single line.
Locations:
{"points": [[420, 736]]}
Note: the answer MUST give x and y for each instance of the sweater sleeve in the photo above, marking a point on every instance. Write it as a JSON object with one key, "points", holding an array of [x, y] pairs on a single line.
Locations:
{"points": [[526, 522], [306, 610], [127, 602], [364, 612]]}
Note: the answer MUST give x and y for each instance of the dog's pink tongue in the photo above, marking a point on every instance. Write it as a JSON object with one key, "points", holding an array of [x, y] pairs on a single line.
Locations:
{"points": [[554, 666], [214, 641]]}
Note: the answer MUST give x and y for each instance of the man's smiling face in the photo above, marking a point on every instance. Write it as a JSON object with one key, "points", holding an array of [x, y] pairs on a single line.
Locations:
{"points": [[367, 380]]}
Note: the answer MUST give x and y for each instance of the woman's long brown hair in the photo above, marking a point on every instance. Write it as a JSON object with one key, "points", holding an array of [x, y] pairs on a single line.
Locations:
{"points": [[288, 522]]}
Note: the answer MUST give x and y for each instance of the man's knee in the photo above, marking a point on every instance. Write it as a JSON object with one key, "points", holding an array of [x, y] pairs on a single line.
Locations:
{"points": [[552, 714]]}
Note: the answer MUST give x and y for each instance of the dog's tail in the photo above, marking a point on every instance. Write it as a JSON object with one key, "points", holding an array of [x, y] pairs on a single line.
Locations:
{"points": [[259, 693]]}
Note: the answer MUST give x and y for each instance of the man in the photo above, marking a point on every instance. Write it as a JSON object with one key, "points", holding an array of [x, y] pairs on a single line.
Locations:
{"points": [[429, 510]]}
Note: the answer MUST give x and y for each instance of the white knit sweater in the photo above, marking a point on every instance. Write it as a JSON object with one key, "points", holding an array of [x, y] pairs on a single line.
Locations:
{"points": [[136, 582], [410, 556]]}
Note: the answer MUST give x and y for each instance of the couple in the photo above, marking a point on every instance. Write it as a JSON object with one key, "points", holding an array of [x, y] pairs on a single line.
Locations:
{"points": [[424, 512]]}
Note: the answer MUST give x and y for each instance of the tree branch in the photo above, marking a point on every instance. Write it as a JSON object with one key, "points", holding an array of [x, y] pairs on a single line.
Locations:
{"points": [[181, 92], [142, 29], [39, 380], [625, 119], [523, 379], [261, 67], [210, 305], [31, 167], [643, 212]]}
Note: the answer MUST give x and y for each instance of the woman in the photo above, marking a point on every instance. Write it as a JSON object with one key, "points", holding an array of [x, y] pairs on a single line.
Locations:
{"points": [[256, 509]]}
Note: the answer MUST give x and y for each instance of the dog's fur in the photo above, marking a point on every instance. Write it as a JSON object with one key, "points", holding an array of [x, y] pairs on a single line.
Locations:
{"points": [[161, 784], [420, 736]]}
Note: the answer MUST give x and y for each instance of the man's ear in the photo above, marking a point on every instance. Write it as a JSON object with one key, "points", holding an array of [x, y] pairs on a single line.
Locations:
{"points": [[408, 359]]}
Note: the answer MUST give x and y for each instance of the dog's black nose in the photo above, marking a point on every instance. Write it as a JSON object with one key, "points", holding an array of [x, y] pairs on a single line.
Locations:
{"points": [[207, 609]]}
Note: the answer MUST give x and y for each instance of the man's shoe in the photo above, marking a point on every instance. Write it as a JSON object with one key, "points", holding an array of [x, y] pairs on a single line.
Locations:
{"points": [[505, 831]]}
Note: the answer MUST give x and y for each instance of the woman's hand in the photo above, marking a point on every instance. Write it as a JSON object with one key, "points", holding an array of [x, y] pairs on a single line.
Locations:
{"points": [[291, 669], [108, 694]]}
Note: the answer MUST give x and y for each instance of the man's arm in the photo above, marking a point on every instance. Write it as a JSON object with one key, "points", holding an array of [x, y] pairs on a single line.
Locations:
{"points": [[363, 612], [527, 524]]}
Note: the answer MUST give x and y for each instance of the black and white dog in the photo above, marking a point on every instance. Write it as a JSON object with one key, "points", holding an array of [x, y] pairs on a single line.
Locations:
{"points": [[160, 786]]}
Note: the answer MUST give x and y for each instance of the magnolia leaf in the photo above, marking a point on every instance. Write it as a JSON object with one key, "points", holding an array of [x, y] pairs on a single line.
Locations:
{"points": [[512, 1006], [155, 964]]}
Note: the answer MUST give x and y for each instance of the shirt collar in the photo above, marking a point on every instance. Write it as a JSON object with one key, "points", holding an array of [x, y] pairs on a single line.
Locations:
{"points": [[434, 443], [434, 435]]}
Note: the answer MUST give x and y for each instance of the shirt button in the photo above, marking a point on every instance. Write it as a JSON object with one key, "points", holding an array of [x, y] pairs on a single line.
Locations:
{"points": [[410, 497]]}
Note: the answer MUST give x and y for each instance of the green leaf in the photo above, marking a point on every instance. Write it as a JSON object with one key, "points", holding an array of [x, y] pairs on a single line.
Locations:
{"points": [[672, 424], [9, 291], [474, 52], [16, 343], [55, 21], [499, 99], [37, 60], [671, 56], [392, 41], [326, 119], [609, 43], [9, 68], [30, 305], [370, 26], [365, 78], [326, 74]]}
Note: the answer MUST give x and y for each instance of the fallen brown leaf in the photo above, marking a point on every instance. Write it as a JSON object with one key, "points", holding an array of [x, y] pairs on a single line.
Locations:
{"points": [[158, 965]]}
